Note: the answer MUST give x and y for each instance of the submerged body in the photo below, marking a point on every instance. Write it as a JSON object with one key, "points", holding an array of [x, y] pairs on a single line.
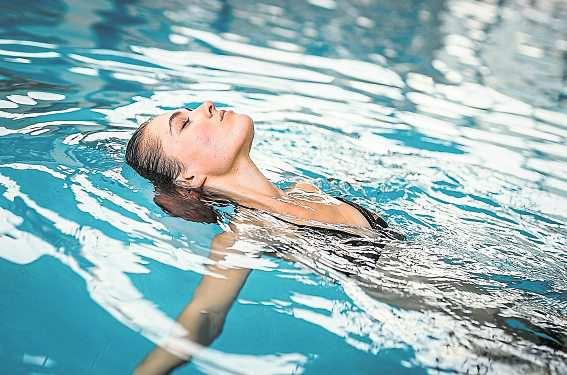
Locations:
{"points": [[314, 244]]}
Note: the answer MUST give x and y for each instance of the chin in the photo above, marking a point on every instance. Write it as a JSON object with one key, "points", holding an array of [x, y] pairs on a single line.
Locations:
{"points": [[246, 119], [247, 123], [248, 126]]}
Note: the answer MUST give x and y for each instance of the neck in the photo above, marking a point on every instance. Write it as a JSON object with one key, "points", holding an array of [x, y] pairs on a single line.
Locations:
{"points": [[246, 185]]}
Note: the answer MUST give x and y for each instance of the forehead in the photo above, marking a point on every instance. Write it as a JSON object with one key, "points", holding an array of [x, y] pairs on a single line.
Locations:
{"points": [[159, 125]]}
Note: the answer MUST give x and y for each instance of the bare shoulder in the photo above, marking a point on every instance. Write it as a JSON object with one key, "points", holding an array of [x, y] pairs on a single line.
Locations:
{"points": [[305, 186], [323, 208]]}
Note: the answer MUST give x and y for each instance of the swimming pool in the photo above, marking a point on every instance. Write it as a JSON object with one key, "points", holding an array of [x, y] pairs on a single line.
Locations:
{"points": [[447, 117]]}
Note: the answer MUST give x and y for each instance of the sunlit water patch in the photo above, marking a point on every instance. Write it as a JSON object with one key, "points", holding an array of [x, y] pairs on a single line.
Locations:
{"points": [[446, 117]]}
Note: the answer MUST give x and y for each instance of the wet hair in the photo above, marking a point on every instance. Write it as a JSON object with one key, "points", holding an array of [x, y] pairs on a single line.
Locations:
{"points": [[145, 154], [189, 204]]}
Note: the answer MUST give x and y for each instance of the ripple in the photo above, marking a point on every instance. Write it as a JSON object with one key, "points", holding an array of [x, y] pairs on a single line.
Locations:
{"points": [[21, 99], [8, 104], [453, 130], [38, 95], [231, 63], [351, 68]]}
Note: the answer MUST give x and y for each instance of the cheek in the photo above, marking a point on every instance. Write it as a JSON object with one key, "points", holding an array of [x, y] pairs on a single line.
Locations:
{"points": [[201, 148], [211, 152], [202, 141], [210, 155]]}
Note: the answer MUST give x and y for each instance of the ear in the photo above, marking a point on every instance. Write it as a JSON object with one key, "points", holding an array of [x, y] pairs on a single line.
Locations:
{"points": [[192, 182], [198, 181]]}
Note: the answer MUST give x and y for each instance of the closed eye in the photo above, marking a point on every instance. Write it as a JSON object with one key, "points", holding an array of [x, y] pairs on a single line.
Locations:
{"points": [[185, 123]]}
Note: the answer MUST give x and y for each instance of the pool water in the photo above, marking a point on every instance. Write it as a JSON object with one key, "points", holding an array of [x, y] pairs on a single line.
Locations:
{"points": [[448, 118]]}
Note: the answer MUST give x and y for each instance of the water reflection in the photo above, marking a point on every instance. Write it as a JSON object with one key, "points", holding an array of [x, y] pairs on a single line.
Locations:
{"points": [[446, 116]]}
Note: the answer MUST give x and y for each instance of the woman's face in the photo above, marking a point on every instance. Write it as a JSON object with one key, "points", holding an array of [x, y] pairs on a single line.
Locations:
{"points": [[206, 140]]}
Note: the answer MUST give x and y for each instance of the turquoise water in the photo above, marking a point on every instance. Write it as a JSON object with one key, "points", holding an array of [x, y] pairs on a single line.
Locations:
{"points": [[449, 118]]}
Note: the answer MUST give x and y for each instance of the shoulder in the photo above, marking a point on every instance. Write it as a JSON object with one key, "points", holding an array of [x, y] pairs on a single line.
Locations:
{"points": [[325, 209], [305, 186]]}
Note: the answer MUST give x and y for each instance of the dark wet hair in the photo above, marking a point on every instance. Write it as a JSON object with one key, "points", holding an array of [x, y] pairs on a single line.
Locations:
{"points": [[189, 204], [145, 154]]}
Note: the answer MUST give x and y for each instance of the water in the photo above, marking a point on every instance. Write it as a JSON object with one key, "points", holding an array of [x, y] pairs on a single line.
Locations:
{"points": [[447, 117]]}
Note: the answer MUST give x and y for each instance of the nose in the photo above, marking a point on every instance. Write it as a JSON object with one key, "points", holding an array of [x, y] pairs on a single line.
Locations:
{"points": [[209, 108]]}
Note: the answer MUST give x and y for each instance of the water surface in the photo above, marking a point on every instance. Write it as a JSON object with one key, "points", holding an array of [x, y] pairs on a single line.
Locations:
{"points": [[449, 118]]}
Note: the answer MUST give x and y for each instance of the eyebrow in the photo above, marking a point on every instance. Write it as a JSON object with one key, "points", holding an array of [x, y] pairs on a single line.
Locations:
{"points": [[171, 118]]}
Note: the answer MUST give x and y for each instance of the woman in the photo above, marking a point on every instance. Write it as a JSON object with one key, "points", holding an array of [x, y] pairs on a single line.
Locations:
{"points": [[192, 154]]}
